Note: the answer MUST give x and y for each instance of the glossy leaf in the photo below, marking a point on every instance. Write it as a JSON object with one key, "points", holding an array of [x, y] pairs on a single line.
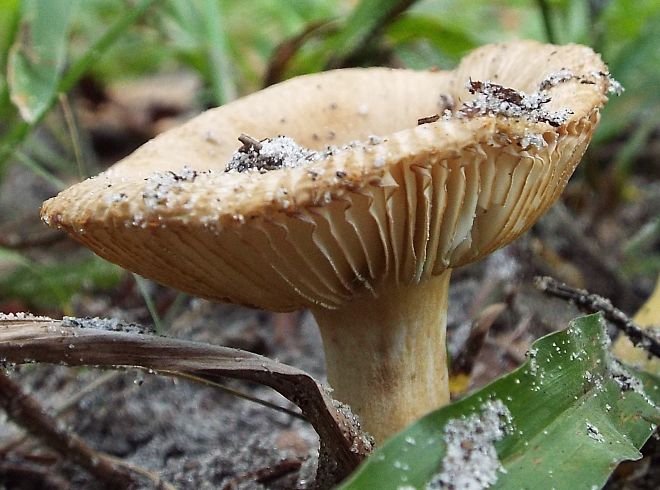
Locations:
{"points": [[574, 417]]}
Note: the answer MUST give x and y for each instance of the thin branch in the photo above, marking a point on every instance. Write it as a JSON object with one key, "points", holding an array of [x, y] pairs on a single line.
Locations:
{"points": [[265, 475], [31, 475], [63, 409], [249, 143], [463, 363], [646, 339], [236, 393], [27, 412]]}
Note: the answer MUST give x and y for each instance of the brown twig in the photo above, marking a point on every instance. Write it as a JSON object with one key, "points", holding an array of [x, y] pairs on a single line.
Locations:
{"points": [[249, 143], [30, 475], [428, 119], [15, 442], [28, 413], [463, 363], [591, 254], [342, 445], [266, 475], [593, 303]]}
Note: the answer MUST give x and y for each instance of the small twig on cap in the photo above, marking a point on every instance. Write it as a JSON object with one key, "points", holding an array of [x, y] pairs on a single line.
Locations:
{"points": [[27, 412], [249, 143], [428, 119], [593, 303]]}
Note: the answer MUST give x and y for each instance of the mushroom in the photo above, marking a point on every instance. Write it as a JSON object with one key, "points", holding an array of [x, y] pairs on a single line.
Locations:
{"points": [[364, 234]]}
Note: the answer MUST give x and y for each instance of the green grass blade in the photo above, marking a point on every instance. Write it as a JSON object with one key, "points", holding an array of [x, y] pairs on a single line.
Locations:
{"points": [[53, 285], [217, 47], [452, 42], [143, 287], [39, 170], [572, 421], [366, 19]]}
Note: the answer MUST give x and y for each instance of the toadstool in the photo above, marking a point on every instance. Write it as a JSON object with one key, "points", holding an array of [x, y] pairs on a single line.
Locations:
{"points": [[364, 234]]}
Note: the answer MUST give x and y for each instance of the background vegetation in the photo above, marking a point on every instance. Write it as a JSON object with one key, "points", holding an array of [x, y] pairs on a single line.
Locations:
{"points": [[65, 60], [85, 82]]}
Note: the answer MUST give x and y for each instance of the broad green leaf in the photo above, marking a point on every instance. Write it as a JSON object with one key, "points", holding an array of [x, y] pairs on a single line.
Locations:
{"points": [[38, 55], [574, 415]]}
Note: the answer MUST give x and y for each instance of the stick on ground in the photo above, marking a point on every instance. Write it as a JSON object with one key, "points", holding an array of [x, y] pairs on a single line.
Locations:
{"points": [[28, 413], [593, 303], [109, 343]]}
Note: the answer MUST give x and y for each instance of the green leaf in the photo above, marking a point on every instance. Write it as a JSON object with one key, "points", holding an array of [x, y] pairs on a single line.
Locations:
{"points": [[53, 284], [414, 27], [9, 15], [574, 415], [17, 134], [38, 55], [630, 49], [367, 17], [355, 36]]}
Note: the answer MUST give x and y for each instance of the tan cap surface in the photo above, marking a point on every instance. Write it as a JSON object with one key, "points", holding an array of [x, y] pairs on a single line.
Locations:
{"points": [[424, 199]]}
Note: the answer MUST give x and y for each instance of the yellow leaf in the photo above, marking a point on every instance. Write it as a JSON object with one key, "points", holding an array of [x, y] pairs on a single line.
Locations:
{"points": [[648, 316]]}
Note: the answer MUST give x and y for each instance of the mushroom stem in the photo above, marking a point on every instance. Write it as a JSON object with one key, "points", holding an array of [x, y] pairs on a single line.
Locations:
{"points": [[386, 357]]}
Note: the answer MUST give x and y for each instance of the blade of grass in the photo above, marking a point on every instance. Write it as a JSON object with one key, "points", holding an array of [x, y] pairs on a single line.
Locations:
{"points": [[236, 393], [72, 127], [39, 170], [546, 15], [49, 283], [217, 46], [627, 154], [412, 27], [148, 300], [17, 135], [366, 20], [175, 308]]}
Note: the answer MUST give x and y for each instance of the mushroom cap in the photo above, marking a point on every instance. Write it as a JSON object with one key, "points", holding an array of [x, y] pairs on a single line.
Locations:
{"points": [[396, 209]]}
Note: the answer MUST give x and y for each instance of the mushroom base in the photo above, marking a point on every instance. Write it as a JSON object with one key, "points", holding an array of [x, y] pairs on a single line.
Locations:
{"points": [[386, 356]]}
